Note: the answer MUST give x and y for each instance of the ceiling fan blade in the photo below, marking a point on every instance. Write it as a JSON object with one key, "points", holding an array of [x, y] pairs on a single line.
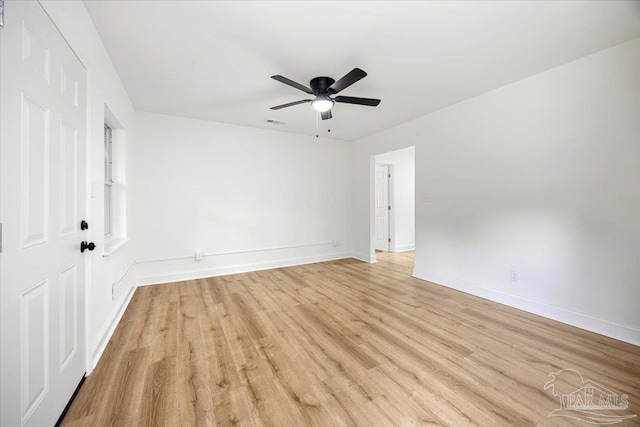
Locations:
{"points": [[351, 77], [326, 115], [291, 104], [291, 83], [360, 101]]}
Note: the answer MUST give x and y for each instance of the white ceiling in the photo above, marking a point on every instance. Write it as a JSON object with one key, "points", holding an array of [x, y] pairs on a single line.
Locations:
{"points": [[213, 60]]}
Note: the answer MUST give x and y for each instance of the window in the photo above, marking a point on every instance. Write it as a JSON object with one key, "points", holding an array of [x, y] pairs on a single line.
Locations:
{"points": [[115, 184], [108, 181]]}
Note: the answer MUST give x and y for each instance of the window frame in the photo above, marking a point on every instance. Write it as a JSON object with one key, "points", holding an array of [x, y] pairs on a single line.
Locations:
{"points": [[108, 181]]}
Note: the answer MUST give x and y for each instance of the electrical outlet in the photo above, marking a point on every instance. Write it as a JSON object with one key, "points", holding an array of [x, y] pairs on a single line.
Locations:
{"points": [[114, 290], [198, 255], [335, 242], [514, 276]]}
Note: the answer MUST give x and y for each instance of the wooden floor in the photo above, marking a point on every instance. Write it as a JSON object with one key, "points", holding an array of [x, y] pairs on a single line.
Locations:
{"points": [[338, 343]]}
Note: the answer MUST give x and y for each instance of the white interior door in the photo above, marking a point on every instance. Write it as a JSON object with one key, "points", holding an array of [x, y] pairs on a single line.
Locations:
{"points": [[42, 201], [382, 208]]}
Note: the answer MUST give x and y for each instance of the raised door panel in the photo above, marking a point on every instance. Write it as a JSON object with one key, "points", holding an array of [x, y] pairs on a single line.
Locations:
{"points": [[380, 199], [34, 348], [36, 53], [34, 185], [380, 229], [69, 88], [68, 179], [68, 315]]}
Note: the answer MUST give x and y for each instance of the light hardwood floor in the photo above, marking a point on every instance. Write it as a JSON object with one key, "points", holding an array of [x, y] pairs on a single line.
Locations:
{"points": [[338, 343]]}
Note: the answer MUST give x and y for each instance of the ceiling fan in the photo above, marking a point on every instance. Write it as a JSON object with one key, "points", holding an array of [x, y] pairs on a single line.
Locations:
{"points": [[322, 88]]}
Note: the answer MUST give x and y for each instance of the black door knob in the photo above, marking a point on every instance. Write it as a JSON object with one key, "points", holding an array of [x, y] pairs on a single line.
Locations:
{"points": [[84, 225], [84, 246]]}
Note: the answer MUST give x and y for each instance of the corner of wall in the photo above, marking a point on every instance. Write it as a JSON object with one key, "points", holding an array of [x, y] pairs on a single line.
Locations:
{"points": [[363, 257]]}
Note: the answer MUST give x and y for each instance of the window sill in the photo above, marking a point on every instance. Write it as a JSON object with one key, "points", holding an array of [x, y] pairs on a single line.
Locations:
{"points": [[113, 245]]}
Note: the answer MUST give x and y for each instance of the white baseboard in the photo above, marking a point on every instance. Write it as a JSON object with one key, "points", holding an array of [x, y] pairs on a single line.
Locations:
{"points": [[604, 327], [110, 327], [405, 248], [234, 269], [362, 257]]}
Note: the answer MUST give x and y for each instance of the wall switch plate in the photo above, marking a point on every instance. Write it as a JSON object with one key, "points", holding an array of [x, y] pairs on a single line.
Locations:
{"points": [[198, 255], [514, 276]]}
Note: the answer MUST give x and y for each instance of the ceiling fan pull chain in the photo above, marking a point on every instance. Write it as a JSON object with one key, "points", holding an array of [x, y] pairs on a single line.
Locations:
{"points": [[317, 125]]}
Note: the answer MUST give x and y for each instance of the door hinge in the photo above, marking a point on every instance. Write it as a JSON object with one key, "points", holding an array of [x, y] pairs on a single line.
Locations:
{"points": [[1, 13], [389, 207], [389, 239], [389, 175]]}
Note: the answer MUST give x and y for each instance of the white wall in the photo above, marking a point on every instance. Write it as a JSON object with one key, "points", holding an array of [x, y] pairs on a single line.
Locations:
{"points": [[105, 87], [541, 177], [403, 195], [224, 188]]}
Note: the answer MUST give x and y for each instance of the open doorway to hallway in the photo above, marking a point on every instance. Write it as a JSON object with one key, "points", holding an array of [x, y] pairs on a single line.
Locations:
{"points": [[393, 210]]}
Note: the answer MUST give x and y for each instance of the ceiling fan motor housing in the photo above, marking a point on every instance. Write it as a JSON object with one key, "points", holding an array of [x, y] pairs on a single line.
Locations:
{"points": [[320, 85]]}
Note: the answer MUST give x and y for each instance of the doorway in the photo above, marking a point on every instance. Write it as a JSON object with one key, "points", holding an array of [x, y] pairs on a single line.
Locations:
{"points": [[393, 201]]}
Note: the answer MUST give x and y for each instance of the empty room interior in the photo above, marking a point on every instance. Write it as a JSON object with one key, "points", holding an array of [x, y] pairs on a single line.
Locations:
{"points": [[319, 213]]}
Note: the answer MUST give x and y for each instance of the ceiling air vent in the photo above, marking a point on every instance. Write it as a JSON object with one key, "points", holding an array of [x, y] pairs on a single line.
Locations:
{"points": [[276, 122]]}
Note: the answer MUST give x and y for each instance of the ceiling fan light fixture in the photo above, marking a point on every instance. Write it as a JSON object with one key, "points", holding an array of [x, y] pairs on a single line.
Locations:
{"points": [[322, 103]]}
